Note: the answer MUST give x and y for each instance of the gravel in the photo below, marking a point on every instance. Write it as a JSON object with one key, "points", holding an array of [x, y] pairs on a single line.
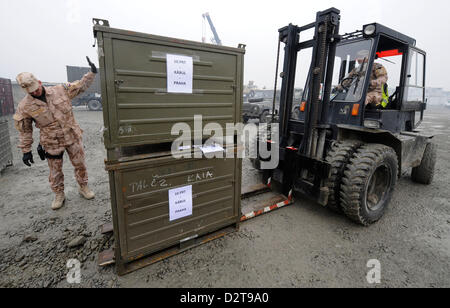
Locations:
{"points": [[303, 245]]}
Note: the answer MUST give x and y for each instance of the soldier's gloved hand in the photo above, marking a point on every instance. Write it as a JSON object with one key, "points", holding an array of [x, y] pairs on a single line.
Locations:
{"points": [[27, 159], [339, 88], [92, 65], [360, 74], [41, 152]]}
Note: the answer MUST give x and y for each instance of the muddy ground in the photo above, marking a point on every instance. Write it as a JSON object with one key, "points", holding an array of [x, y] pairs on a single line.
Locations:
{"points": [[303, 245]]}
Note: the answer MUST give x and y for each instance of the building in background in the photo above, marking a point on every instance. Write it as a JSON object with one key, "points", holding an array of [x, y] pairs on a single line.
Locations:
{"points": [[436, 96]]}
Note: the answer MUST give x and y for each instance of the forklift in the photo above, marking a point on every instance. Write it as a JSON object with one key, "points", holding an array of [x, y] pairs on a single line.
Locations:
{"points": [[336, 150]]}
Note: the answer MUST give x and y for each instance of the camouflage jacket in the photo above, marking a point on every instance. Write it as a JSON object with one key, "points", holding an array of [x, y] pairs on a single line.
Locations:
{"points": [[378, 77], [55, 119]]}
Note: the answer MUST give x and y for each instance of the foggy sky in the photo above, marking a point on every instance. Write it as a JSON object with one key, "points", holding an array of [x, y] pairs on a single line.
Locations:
{"points": [[44, 36]]}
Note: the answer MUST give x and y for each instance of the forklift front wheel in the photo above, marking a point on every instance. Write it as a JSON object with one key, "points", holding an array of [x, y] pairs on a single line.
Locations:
{"points": [[368, 183], [338, 157]]}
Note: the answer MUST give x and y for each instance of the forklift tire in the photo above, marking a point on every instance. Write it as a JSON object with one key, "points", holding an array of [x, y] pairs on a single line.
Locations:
{"points": [[256, 164], [424, 173], [368, 183], [253, 149], [338, 157]]}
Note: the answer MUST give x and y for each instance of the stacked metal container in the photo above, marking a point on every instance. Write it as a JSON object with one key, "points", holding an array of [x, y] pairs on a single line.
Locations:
{"points": [[139, 113], [6, 112]]}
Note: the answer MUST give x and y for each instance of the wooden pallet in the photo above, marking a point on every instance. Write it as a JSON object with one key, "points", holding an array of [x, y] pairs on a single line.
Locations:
{"points": [[107, 257]]}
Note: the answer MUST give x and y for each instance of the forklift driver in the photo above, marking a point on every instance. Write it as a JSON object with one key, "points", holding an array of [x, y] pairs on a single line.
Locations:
{"points": [[377, 94]]}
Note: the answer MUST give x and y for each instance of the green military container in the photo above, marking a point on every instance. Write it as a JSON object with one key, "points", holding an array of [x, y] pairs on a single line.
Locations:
{"points": [[140, 109], [141, 192], [161, 203], [6, 156]]}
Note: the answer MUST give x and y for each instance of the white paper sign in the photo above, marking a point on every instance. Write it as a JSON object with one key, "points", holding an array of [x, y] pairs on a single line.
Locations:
{"points": [[179, 74], [180, 202], [211, 149]]}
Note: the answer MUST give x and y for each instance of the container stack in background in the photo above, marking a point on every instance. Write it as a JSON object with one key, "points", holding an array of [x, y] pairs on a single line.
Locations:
{"points": [[162, 205], [6, 113]]}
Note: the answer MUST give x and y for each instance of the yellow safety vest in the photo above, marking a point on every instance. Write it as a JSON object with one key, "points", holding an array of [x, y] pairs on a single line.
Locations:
{"points": [[385, 96]]}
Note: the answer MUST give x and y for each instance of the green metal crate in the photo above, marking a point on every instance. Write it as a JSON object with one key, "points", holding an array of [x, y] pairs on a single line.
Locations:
{"points": [[138, 110]]}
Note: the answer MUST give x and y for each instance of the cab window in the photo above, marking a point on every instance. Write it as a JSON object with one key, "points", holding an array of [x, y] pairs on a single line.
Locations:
{"points": [[415, 83], [350, 70]]}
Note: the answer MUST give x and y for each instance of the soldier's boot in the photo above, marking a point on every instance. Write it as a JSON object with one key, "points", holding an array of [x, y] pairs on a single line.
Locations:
{"points": [[86, 192], [59, 200]]}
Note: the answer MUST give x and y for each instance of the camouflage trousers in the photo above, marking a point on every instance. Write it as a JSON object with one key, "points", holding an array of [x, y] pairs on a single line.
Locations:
{"points": [[77, 157], [373, 98]]}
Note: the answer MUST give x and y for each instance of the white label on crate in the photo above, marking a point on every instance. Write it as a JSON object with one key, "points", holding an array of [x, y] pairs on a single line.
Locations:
{"points": [[180, 202], [211, 149], [179, 74], [184, 148]]}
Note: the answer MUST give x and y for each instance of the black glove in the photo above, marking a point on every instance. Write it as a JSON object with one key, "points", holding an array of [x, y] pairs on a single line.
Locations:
{"points": [[92, 65], [41, 152], [27, 159], [340, 88]]}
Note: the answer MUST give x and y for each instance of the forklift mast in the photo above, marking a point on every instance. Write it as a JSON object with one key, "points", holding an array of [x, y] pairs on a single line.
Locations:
{"points": [[326, 37], [308, 157]]}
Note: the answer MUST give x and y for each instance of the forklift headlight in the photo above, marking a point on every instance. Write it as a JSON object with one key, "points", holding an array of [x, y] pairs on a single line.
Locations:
{"points": [[369, 30], [372, 124]]}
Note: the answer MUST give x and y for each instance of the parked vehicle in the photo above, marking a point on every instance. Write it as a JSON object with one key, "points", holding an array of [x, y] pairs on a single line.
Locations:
{"points": [[92, 98], [256, 108]]}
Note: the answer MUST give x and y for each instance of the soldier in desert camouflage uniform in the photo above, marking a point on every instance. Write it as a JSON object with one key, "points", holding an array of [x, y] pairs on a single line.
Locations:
{"points": [[50, 108], [378, 78]]}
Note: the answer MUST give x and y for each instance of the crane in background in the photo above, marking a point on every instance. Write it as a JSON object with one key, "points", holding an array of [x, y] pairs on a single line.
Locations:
{"points": [[216, 38]]}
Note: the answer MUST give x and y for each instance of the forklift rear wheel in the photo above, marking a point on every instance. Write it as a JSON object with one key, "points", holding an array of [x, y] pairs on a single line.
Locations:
{"points": [[424, 173], [368, 183], [338, 157]]}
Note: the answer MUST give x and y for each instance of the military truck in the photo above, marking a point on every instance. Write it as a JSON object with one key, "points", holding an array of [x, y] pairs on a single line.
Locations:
{"points": [[92, 98], [249, 90], [260, 107], [256, 108]]}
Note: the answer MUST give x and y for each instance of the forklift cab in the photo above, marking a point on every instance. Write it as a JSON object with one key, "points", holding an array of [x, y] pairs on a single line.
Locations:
{"points": [[405, 66]]}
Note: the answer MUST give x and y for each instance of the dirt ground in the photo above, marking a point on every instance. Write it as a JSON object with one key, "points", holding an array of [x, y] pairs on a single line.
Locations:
{"points": [[303, 245]]}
